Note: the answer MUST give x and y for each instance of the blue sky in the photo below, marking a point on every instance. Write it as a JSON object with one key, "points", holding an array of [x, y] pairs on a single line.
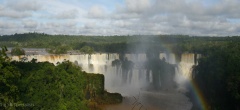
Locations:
{"points": [[121, 17]]}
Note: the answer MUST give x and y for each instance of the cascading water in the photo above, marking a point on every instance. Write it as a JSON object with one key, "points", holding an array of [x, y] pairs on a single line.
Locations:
{"points": [[184, 70], [136, 81]]}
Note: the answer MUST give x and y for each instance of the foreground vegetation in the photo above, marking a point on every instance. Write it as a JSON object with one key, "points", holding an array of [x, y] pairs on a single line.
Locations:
{"points": [[218, 77], [41, 85]]}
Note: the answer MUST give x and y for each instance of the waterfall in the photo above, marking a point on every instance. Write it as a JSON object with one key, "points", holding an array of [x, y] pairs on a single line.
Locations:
{"points": [[102, 64], [175, 68]]}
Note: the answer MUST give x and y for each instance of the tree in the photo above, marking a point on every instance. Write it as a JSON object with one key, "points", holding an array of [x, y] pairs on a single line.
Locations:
{"points": [[9, 77], [218, 74], [62, 49], [87, 50], [17, 51]]}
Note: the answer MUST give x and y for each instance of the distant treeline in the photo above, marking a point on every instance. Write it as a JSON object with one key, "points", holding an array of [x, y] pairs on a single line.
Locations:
{"points": [[117, 44]]}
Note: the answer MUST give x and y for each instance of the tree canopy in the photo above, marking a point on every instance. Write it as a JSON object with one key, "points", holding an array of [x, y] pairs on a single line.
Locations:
{"points": [[87, 50], [17, 51], [218, 77], [41, 85], [116, 44]]}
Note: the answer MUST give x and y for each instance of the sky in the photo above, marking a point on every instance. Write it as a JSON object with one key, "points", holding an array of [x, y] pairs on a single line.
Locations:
{"points": [[121, 17]]}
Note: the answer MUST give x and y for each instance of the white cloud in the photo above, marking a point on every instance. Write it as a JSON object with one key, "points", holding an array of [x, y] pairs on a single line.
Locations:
{"points": [[122, 23], [96, 12], [137, 6], [7, 25], [13, 14], [24, 5], [90, 25], [30, 24], [58, 28], [69, 14], [195, 17], [19, 9], [56, 9]]}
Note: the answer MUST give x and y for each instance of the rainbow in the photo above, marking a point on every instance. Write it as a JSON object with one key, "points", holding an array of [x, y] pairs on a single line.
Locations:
{"points": [[201, 101], [197, 93]]}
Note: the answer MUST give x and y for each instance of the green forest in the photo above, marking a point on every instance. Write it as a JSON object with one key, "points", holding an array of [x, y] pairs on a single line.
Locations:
{"points": [[218, 76], [43, 86], [116, 44]]}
